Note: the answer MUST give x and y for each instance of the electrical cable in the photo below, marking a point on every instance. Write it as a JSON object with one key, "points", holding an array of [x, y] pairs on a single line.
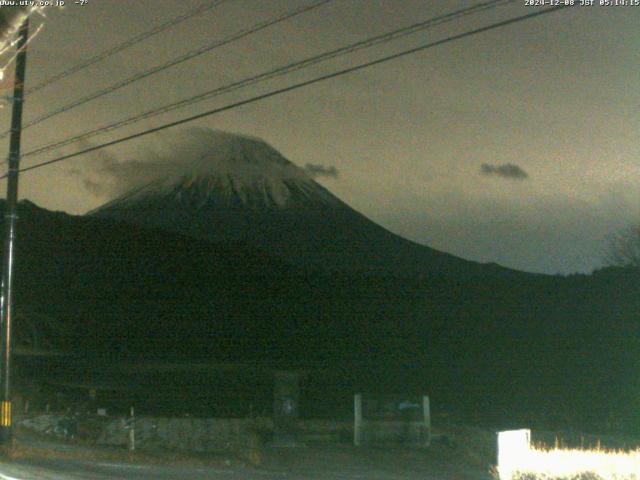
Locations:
{"points": [[299, 85], [124, 45], [183, 58], [274, 73]]}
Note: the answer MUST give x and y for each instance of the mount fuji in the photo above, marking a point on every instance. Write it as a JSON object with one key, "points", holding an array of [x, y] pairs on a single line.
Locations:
{"points": [[395, 313], [241, 189]]}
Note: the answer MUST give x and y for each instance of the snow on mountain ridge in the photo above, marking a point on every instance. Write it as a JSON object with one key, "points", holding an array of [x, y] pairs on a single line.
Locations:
{"points": [[241, 156], [229, 169]]}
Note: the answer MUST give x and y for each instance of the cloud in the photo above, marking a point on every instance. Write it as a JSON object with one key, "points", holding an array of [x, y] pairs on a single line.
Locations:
{"points": [[507, 170], [100, 172], [98, 188], [316, 170], [186, 151]]}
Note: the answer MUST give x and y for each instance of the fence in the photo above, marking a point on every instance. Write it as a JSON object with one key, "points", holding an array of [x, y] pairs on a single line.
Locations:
{"points": [[391, 419]]}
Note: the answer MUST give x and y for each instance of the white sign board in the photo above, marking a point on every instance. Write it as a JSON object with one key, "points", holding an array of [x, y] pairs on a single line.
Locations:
{"points": [[513, 446]]}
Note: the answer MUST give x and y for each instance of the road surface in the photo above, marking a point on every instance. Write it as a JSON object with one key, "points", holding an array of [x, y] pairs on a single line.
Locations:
{"points": [[326, 463]]}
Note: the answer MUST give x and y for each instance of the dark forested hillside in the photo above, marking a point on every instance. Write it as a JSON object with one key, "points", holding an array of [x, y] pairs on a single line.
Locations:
{"points": [[489, 344]]}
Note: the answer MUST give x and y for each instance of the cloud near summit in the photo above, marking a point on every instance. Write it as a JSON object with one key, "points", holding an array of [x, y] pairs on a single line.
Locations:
{"points": [[105, 175], [507, 170], [317, 170]]}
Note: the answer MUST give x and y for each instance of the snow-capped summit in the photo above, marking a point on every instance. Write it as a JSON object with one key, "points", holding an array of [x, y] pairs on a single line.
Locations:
{"points": [[240, 164], [229, 170]]}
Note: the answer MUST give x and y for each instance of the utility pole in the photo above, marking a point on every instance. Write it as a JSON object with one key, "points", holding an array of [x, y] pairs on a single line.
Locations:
{"points": [[10, 217]]}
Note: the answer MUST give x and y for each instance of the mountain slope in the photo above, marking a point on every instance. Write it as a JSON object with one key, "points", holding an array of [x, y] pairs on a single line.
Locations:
{"points": [[242, 189]]}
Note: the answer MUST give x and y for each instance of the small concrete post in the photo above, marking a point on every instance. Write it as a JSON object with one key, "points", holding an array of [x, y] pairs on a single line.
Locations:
{"points": [[357, 419], [426, 407], [132, 432], [286, 392]]}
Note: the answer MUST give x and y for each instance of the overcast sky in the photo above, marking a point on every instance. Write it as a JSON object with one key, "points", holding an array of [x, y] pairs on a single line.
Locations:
{"points": [[517, 146]]}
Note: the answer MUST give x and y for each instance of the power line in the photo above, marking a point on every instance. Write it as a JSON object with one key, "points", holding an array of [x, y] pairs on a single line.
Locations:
{"points": [[275, 73], [124, 45], [183, 58], [296, 86]]}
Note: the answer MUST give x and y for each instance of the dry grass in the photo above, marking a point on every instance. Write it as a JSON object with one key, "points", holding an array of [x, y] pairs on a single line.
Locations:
{"points": [[571, 464]]}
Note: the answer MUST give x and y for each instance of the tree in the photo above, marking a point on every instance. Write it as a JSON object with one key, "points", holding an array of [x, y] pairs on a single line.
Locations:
{"points": [[623, 249]]}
